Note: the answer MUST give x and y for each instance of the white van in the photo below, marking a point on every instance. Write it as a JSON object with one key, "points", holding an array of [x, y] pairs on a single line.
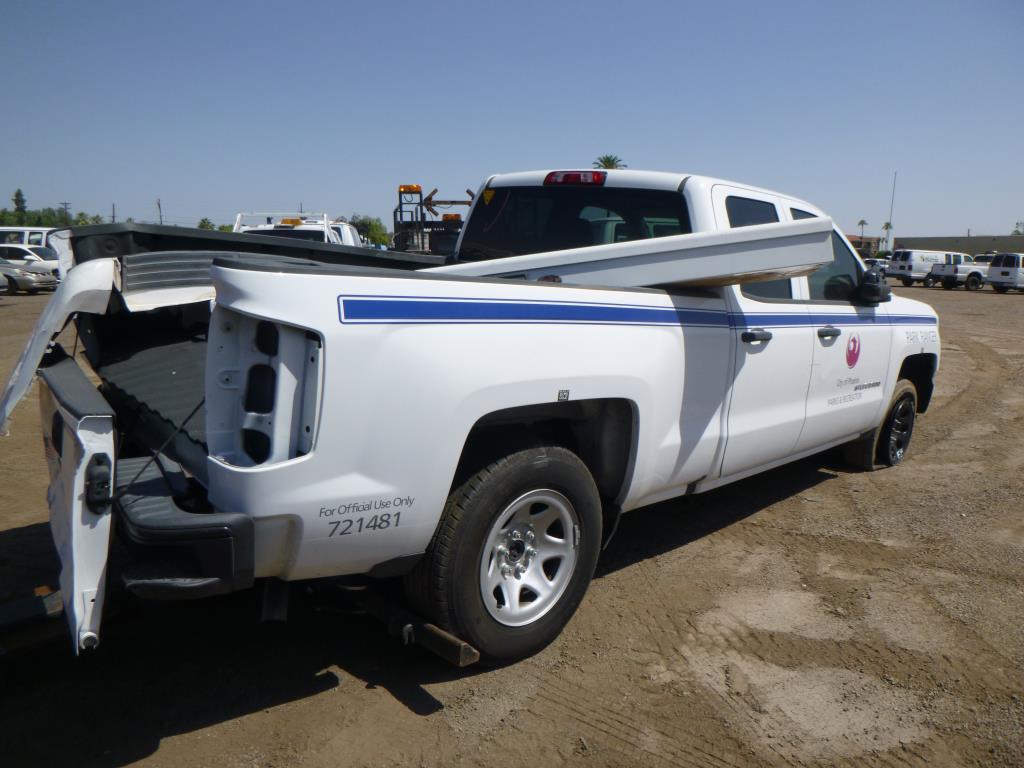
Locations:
{"points": [[916, 266], [1006, 272], [25, 235]]}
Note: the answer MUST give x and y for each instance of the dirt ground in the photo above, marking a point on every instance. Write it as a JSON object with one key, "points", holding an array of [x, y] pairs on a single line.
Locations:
{"points": [[809, 616]]}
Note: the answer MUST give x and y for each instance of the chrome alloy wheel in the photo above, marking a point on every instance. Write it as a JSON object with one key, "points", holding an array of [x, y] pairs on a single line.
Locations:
{"points": [[529, 557]]}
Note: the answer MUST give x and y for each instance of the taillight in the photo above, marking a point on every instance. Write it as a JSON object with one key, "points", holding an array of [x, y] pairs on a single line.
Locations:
{"points": [[594, 178]]}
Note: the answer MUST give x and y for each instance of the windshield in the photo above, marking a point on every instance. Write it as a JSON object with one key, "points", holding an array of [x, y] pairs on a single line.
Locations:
{"points": [[47, 254], [317, 236], [511, 221]]}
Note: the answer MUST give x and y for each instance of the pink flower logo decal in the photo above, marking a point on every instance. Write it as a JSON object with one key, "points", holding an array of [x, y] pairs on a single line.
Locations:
{"points": [[852, 351]]}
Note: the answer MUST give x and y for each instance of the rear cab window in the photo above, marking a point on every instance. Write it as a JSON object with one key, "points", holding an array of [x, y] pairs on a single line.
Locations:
{"points": [[513, 221]]}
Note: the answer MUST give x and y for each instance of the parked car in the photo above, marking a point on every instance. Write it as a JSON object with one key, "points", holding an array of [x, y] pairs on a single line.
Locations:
{"points": [[35, 258], [19, 277], [882, 265], [1006, 272]]}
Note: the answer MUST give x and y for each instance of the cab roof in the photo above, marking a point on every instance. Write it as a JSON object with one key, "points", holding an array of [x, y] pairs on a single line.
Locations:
{"points": [[640, 179]]}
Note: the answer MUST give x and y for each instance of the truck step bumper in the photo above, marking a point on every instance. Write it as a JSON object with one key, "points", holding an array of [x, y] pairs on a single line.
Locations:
{"points": [[176, 554]]}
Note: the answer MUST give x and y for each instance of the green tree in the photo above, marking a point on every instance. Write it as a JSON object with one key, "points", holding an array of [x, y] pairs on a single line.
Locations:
{"points": [[225, 228], [20, 208], [887, 227], [1019, 229], [609, 161], [204, 223], [370, 228], [862, 223]]}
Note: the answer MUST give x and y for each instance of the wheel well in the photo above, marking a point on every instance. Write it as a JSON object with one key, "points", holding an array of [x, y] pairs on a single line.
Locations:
{"points": [[602, 432], [920, 369]]}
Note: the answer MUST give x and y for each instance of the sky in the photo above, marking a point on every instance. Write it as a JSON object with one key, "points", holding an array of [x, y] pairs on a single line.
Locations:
{"points": [[218, 107]]}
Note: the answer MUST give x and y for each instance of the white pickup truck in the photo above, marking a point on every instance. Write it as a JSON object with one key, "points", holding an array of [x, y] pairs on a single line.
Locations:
{"points": [[960, 269], [316, 227], [603, 341]]}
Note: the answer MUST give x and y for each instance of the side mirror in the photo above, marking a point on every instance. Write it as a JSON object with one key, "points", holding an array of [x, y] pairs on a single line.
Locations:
{"points": [[873, 289]]}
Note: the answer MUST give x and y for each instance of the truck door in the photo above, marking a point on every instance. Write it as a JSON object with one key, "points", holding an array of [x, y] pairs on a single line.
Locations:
{"points": [[772, 350], [851, 343]]}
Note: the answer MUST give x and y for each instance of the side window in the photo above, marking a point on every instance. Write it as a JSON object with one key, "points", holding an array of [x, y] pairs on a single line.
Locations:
{"points": [[838, 280], [797, 214], [35, 238], [744, 212]]}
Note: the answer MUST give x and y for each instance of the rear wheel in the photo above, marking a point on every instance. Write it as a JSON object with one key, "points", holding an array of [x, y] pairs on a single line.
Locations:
{"points": [[12, 287], [998, 288], [898, 426], [513, 554], [928, 282], [948, 285], [907, 282], [973, 283]]}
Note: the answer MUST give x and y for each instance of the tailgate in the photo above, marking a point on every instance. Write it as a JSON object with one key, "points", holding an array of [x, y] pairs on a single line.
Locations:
{"points": [[78, 434]]}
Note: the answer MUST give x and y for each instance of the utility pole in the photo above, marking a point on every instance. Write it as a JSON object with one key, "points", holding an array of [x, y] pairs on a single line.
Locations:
{"points": [[160, 210], [67, 215], [113, 213], [892, 201]]}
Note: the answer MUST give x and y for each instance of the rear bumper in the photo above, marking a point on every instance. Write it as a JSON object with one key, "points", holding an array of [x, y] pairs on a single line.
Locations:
{"points": [[174, 554]]}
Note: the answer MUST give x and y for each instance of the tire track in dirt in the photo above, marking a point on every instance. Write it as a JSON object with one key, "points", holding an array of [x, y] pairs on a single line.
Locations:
{"points": [[605, 718]]}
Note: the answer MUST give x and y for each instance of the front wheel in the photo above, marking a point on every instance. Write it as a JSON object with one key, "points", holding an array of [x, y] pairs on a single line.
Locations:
{"points": [[12, 287], [999, 288], [898, 426], [513, 554], [907, 282], [973, 283], [948, 285], [928, 282]]}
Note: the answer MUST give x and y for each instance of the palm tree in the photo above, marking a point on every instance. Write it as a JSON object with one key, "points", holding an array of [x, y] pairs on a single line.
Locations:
{"points": [[609, 161], [885, 228], [862, 224]]}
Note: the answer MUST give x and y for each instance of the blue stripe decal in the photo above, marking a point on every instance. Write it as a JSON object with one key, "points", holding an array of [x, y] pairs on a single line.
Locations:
{"points": [[376, 310], [413, 310]]}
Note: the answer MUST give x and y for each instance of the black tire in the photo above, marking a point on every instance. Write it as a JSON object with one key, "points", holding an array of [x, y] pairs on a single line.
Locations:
{"points": [[898, 426], [928, 282], [447, 583], [999, 288], [948, 285], [973, 283], [907, 282], [12, 287], [860, 453]]}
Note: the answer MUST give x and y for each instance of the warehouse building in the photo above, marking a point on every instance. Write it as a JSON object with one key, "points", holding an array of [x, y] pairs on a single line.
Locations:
{"points": [[964, 244]]}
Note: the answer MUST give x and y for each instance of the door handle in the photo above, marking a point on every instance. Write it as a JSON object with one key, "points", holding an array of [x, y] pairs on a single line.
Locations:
{"points": [[828, 332], [758, 334]]}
